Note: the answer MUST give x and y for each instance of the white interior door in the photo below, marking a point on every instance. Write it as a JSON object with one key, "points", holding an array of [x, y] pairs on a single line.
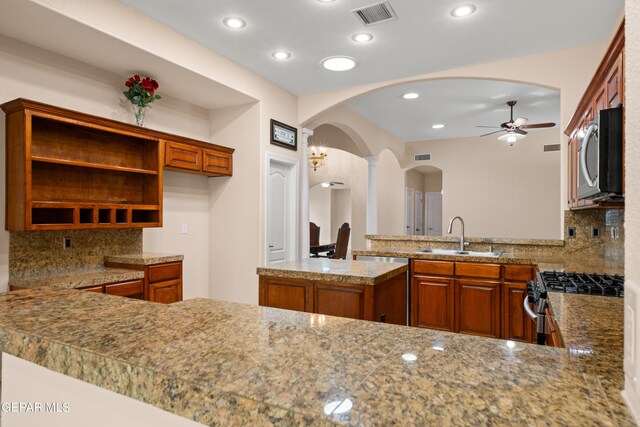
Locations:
{"points": [[434, 214], [419, 217], [409, 212], [278, 213]]}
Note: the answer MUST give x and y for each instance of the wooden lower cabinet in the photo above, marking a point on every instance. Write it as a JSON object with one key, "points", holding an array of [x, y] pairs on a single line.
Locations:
{"points": [[289, 294], [432, 303], [473, 298], [162, 282], [477, 307], [166, 292], [129, 288], [383, 302]]}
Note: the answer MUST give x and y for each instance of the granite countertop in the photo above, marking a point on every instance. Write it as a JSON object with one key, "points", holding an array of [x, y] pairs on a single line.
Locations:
{"points": [[77, 279], [581, 264], [336, 270], [453, 239], [226, 363], [143, 258], [592, 328]]}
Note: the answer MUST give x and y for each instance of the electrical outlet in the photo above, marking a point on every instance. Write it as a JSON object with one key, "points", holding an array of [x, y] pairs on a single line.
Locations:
{"points": [[595, 232], [67, 243], [571, 232]]}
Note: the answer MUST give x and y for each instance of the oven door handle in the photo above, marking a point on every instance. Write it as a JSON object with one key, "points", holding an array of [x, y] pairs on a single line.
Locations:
{"points": [[528, 310]]}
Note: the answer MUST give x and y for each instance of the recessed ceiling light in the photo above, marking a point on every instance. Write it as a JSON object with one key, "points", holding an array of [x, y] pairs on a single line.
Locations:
{"points": [[326, 1], [462, 11], [438, 126], [281, 55], [338, 63], [411, 95], [233, 22], [362, 37]]}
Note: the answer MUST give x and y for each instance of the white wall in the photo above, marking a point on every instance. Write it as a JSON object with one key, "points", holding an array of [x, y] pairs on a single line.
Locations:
{"points": [[500, 191], [390, 178], [185, 201], [320, 210], [632, 207], [39, 75]]}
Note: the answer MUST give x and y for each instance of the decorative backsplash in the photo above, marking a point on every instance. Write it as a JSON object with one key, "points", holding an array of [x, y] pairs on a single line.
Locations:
{"points": [[33, 253], [610, 225]]}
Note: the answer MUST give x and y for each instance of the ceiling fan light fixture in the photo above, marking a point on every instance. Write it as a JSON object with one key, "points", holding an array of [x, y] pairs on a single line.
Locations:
{"points": [[463, 10], [511, 137]]}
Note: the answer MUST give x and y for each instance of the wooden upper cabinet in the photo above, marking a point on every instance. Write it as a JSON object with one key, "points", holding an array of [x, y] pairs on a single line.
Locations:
{"points": [[198, 157], [183, 156], [606, 90], [69, 170], [613, 84]]}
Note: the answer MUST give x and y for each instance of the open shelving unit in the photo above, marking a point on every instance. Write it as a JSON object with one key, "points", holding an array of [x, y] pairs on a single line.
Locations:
{"points": [[69, 170]]}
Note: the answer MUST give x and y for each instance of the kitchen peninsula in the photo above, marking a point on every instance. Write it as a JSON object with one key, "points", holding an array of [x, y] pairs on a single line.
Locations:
{"points": [[226, 363], [355, 289]]}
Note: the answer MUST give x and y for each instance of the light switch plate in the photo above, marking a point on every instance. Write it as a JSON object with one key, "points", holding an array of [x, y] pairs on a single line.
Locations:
{"points": [[184, 229]]}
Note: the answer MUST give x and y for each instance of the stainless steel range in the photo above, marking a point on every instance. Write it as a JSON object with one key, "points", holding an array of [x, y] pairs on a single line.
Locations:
{"points": [[584, 283], [535, 304]]}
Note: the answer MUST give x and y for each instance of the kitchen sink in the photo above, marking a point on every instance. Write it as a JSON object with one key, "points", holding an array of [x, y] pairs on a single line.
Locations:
{"points": [[437, 251]]}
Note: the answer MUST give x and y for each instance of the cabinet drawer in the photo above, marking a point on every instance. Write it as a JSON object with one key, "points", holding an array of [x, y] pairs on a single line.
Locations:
{"points": [[217, 162], [125, 289], [158, 273], [487, 271], [518, 273], [99, 289], [440, 268], [183, 156]]}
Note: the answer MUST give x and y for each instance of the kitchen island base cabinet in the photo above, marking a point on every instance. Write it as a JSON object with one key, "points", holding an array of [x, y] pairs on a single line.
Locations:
{"points": [[383, 302]]}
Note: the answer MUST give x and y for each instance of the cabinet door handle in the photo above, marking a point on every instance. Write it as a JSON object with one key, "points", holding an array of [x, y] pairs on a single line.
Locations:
{"points": [[270, 246]]}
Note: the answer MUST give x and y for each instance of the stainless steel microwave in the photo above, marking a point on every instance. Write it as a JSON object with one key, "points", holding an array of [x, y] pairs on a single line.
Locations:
{"points": [[600, 157]]}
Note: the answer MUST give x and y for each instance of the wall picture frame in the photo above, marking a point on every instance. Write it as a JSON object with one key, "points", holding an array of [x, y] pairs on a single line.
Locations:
{"points": [[284, 135]]}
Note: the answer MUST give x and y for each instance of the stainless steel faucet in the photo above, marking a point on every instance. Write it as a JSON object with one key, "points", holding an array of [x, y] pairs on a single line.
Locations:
{"points": [[461, 233]]}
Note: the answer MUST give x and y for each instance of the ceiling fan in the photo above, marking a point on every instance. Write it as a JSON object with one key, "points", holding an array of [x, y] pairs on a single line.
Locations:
{"points": [[517, 126]]}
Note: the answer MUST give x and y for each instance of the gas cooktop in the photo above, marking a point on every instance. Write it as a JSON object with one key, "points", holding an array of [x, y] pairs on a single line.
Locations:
{"points": [[583, 283]]}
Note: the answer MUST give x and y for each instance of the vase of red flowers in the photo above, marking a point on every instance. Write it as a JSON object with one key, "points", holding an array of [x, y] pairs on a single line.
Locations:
{"points": [[141, 93]]}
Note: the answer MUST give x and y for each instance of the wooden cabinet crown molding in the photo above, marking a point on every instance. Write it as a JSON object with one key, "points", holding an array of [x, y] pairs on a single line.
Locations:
{"points": [[27, 104], [608, 61]]}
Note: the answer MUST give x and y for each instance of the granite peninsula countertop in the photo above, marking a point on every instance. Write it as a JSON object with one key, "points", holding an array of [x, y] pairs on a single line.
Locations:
{"points": [[77, 279], [592, 328], [143, 258], [344, 271], [223, 363]]}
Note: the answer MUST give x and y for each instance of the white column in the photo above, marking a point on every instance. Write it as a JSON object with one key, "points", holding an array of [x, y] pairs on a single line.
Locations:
{"points": [[304, 195], [372, 197]]}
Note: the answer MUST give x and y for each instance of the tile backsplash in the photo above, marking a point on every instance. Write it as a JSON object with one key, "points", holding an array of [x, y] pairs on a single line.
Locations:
{"points": [[42, 252], [610, 226]]}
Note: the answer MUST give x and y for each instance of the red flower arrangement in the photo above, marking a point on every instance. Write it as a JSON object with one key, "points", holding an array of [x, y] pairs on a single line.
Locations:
{"points": [[141, 92]]}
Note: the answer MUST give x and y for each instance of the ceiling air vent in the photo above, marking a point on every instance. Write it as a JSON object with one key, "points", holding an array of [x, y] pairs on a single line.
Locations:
{"points": [[421, 157], [376, 13], [552, 147]]}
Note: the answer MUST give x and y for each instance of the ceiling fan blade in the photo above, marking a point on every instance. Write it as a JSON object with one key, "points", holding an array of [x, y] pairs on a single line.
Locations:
{"points": [[491, 133], [506, 125], [519, 122], [520, 131], [538, 125], [493, 127]]}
